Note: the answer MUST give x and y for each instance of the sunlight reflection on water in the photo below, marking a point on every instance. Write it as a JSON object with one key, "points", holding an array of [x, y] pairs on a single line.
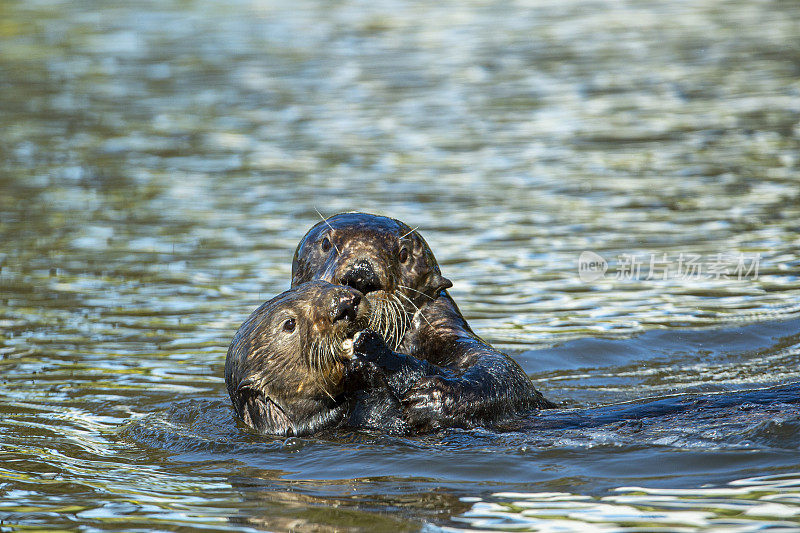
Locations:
{"points": [[160, 161]]}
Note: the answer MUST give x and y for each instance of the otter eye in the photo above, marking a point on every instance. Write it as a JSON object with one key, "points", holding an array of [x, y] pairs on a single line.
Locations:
{"points": [[289, 325], [403, 255], [326, 244]]}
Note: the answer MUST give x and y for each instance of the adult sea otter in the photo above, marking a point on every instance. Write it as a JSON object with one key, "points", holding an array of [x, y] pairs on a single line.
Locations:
{"points": [[393, 267]]}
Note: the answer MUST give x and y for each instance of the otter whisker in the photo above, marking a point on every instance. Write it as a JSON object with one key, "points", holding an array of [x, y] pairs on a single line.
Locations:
{"points": [[405, 317], [381, 320], [410, 232], [322, 359], [316, 360], [312, 350], [415, 290], [401, 321], [373, 318], [319, 360], [391, 328], [390, 323], [328, 379], [417, 308], [400, 318], [311, 359], [325, 220], [390, 319], [389, 333]]}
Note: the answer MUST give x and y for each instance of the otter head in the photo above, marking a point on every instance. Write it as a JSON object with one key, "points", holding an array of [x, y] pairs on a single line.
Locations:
{"points": [[390, 263], [286, 361]]}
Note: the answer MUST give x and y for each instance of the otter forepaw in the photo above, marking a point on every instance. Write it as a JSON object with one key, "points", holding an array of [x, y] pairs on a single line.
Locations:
{"points": [[429, 403], [370, 346], [358, 365]]}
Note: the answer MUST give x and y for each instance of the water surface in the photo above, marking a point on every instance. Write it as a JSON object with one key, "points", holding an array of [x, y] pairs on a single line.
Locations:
{"points": [[159, 161]]}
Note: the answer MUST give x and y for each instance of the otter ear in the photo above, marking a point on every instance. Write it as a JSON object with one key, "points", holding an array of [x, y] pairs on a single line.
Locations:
{"points": [[429, 278], [438, 283]]}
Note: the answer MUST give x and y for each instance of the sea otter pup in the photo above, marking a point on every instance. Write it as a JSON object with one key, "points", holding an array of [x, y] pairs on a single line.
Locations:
{"points": [[392, 265], [302, 362]]}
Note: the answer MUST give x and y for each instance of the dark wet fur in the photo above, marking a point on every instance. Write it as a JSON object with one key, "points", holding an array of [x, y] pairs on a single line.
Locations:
{"points": [[486, 384], [459, 380], [279, 385]]}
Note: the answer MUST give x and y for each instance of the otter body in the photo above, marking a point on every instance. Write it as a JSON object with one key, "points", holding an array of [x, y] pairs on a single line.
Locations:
{"points": [[302, 363], [486, 385], [469, 382]]}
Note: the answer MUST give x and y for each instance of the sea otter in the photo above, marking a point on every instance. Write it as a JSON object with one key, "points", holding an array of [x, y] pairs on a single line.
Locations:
{"points": [[303, 362], [394, 268]]}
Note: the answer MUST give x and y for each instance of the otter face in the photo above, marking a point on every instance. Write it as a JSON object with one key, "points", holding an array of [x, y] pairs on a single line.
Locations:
{"points": [[384, 259], [287, 359]]}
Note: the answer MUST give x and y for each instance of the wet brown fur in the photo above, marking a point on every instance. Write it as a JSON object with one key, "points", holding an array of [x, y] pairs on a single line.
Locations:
{"points": [[367, 252], [292, 383]]}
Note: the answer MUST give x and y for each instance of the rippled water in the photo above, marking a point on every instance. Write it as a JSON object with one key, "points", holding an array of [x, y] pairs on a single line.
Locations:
{"points": [[159, 162]]}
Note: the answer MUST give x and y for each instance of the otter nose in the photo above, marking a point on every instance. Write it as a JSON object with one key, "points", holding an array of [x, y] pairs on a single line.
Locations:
{"points": [[361, 276], [345, 306]]}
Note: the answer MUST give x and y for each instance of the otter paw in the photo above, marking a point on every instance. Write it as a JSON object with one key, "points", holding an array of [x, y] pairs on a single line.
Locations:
{"points": [[357, 365], [429, 403], [364, 375], [370, 346]]}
